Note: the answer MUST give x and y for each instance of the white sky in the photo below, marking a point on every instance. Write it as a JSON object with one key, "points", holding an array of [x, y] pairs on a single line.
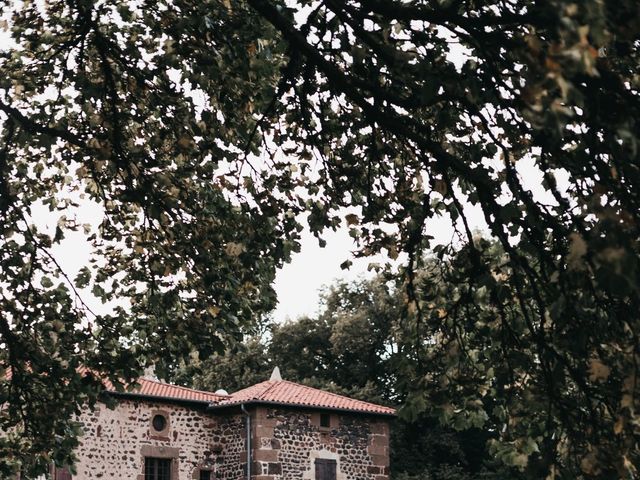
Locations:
{"points": [[298, 283]]}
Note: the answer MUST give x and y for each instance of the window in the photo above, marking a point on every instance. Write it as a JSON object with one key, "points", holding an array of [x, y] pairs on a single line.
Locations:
{"points": [[159, 422], [157, 468], [206, 475], [325, 420], [325, 469]]}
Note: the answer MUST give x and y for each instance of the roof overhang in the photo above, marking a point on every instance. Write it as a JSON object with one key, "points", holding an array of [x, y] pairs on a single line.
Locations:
{"points": [[297, 406], [157, 398]]}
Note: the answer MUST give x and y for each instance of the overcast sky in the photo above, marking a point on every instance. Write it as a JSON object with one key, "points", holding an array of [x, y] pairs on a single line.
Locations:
{"points": [[298, 284]]}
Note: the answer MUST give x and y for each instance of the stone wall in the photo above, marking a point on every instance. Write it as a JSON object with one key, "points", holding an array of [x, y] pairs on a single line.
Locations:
{"points": [[287, 442], [115, 442], [229, 437]]}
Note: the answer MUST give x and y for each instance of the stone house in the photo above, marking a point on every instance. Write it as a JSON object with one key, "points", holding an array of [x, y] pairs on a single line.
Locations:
{"points": [[275, 430]]}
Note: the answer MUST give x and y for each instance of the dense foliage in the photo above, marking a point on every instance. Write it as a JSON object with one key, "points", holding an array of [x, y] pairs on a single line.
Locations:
{"points": [[200, 130], [96, 110]]}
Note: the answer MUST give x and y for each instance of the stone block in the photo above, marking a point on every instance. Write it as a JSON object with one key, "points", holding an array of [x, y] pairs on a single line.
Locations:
{"points": [[263, 414], [264, 432], [256, 468], [380, 427], [379, 440], [266, 455], [378, 450], [271, 424], [380, 460]]}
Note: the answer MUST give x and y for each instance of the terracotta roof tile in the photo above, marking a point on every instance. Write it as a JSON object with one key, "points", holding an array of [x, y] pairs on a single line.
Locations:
{"points": [[154, 388], [289, 393], [280, 392]]}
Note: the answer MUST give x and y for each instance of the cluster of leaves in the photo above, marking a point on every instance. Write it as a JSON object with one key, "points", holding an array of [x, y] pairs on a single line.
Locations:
{"points": [[395, 112]]}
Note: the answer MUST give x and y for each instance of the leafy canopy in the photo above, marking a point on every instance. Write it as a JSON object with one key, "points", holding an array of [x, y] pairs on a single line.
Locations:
{"points": [[155, 112]]}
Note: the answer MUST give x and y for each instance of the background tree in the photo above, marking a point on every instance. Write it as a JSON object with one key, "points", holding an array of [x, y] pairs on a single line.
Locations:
{"points": [[348, 344], [353, 347], [384, 114], [240, 366]]}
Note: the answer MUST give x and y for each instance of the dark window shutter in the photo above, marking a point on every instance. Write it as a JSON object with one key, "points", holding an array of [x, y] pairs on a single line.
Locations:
{"points": [[325, 420], [157, 468], [331, 470], [325, 469]]}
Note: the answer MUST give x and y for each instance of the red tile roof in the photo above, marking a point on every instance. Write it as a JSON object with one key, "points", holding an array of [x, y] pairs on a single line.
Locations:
{"points": [[153, 388], [281, 392], [284, 392]]}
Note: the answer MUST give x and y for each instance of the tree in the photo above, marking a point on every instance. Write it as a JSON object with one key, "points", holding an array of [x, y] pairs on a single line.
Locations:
{"points": [[341, 350], [347, 345], [359, 110], [354, 347], [308, 341], [96, 108], [238, 367]]}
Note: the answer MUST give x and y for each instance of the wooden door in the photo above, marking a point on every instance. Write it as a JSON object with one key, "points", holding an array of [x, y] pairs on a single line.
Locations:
{"points": [[325, 469]]}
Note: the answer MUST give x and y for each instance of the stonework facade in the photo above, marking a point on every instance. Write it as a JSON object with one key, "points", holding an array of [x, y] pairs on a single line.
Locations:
{"points": [[275, 430], [116, 442], [285, 442]]}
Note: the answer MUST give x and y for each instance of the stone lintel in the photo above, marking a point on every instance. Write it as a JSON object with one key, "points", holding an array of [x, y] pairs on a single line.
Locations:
{"points": [[266, 455]]}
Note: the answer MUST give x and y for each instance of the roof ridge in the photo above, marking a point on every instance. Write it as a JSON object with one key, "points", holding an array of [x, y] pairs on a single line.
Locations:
{"points": [[248, 388], [181, 387]]}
